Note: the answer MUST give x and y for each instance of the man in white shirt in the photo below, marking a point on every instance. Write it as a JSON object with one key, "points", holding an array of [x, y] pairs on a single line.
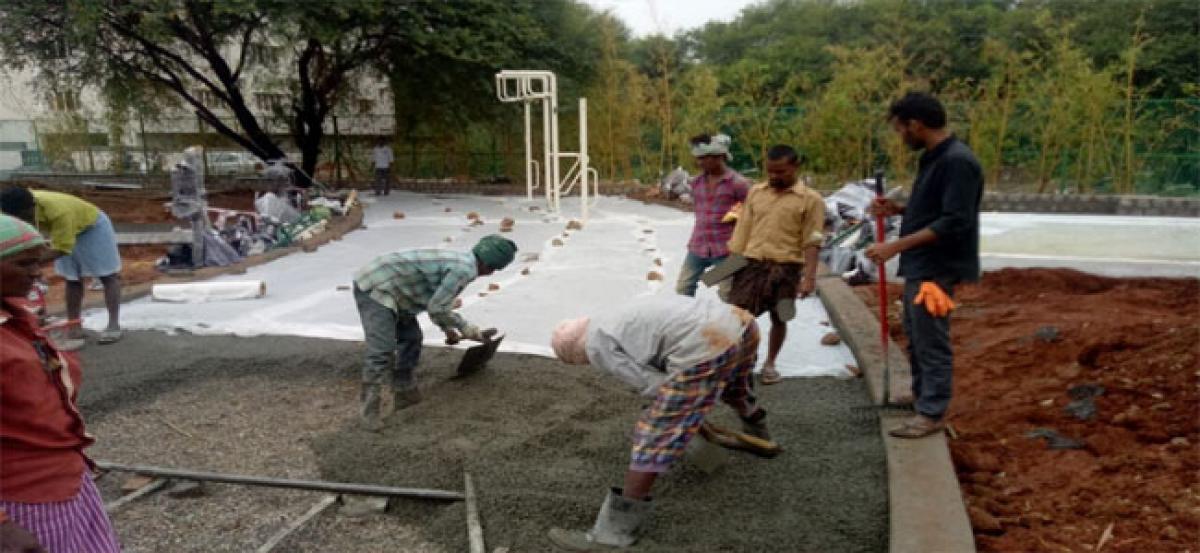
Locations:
{"points": [[382, 156], [687, 353]]}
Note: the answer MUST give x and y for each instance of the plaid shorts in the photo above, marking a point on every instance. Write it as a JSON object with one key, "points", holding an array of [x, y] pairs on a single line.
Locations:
{"points": [[665, 428]]}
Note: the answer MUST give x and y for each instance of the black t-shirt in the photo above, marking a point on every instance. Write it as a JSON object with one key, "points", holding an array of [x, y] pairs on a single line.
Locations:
{"points": [[945, 199]]}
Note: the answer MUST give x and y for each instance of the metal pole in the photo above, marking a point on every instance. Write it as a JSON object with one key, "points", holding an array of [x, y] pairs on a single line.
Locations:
{"points": [[583, 159], [548, 183], [528, 154], [316, 485], [553, 94]]}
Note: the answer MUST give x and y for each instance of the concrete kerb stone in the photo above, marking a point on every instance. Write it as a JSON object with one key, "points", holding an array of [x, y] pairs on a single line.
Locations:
{"points": [[339, 228], [925, 505]]}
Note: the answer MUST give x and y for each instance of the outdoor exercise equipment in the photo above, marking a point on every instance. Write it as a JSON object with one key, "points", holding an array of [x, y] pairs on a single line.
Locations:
{"points": [[529, 87]]}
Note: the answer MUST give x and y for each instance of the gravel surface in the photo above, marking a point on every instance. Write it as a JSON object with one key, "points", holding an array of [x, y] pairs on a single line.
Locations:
{"points": [[542, 440]]}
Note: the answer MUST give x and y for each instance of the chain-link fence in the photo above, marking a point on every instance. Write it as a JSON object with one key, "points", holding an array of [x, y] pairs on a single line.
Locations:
{"points": [[1161, 156]]}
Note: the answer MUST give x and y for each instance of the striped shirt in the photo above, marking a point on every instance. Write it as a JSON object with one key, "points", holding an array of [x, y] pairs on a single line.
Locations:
{"points": [[710, 237], [420, 280]]}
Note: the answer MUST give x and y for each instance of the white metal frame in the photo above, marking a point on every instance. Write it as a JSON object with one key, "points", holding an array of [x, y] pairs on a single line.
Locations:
{"points": [[528, 87]]}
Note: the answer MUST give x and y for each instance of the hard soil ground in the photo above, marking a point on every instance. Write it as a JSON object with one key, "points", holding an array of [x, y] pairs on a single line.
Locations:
{"points": [[137, 207], [1138, 468], [543, 442]]}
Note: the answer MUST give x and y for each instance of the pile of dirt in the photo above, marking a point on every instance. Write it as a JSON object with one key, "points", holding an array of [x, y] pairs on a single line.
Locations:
{"points": [[1029, 343]]}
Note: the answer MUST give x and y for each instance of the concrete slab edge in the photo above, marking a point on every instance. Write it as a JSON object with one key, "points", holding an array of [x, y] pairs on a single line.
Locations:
{"points": [[340, 227], [926, 512]]}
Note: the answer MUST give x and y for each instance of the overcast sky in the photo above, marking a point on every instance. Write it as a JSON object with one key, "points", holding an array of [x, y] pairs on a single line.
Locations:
{"points": [[647, 17]]}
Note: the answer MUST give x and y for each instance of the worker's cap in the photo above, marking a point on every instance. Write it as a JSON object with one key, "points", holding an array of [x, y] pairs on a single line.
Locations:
{"points": [[716, 145], [495, 251], [17, 236]]}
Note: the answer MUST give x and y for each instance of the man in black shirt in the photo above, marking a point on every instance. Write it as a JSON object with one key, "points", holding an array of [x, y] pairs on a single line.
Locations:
{"points": [[938, 247]]}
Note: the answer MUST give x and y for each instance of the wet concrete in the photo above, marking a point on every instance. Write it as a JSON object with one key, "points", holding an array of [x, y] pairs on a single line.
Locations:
{"points": [[543, 442]]}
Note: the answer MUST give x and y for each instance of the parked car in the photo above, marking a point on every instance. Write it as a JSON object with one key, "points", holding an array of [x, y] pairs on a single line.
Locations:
{"points": [[233, 163]]}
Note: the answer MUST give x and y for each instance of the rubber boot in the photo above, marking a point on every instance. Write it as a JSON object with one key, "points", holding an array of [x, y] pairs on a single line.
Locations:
{"points": [[369, 415], [617, 526], [405, 397]]}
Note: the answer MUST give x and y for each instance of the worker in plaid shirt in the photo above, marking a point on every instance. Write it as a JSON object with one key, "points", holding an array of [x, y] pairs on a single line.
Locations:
{"points": [[717, 192], [393, 289]]}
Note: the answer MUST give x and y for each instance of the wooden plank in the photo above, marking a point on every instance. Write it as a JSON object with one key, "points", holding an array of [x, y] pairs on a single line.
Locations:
{"points": [[124, 500], [474, 528], [294, 525]]}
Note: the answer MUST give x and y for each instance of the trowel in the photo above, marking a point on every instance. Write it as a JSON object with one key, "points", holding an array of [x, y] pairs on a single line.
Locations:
{"points": [[477, 357]]}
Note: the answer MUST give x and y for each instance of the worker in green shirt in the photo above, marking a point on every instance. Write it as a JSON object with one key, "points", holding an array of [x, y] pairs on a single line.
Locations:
{"points": [[83, 243]]}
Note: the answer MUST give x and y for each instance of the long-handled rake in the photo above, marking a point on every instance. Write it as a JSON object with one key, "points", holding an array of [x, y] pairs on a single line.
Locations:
{"points": [[885, 407]]}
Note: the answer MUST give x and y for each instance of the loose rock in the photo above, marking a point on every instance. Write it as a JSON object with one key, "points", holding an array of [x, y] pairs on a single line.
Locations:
{"points": [[574, 225], [474, 216], [525, 271], [506, 224], [187, 489], [658, 261], [343, 287], [1047, 334], [530, 257], [493, 287], [831, 339], [556, 242], [360, 506], [654, 275], [398, 215], [448, 210], [135, 483]]}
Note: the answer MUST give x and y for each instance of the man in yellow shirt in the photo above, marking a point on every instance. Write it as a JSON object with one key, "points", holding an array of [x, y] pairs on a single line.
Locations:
{"points": [[779, 232], [84, 244]]}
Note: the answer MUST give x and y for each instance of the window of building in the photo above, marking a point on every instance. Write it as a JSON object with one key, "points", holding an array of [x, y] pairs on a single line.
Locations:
{"points": [[365, 105], [66, 100], [269, 102]]}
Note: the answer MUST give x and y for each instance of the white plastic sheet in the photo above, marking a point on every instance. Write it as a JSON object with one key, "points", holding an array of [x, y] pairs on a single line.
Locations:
{"points": [[200, 292]]}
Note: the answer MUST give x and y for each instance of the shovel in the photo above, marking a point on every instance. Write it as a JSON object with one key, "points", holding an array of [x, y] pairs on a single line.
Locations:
{"points": [[477, 357]]}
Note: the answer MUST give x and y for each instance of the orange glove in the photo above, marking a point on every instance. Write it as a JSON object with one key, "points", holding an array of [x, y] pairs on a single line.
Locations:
{"points": [[934, 299]]}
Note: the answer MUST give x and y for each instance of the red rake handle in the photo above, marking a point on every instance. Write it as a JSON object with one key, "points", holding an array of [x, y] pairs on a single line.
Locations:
{"points": [[883, 300]]}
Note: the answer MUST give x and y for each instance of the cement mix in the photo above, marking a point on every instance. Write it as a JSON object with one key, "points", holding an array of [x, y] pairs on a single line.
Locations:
{"points": [[543, 442]]}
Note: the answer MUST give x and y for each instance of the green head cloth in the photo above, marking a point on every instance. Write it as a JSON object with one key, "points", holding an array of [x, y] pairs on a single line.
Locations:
{"points": [[495, 251]]}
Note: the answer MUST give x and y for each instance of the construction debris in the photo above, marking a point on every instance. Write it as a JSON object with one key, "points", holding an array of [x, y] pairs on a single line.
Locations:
{"points": [[361, 506], [187, 489], [135, 483]]}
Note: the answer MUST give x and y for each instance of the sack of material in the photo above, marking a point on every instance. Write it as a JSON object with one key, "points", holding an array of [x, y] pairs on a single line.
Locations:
{"points": [[200, 292]]}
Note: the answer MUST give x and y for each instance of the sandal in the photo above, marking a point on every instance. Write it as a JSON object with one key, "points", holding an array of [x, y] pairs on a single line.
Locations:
{"points": [[110, 336], [769, 376]]}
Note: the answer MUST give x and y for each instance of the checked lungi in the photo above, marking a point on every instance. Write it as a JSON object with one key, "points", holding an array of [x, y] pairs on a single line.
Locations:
{"points": [[78, 525], [663, 431]]}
